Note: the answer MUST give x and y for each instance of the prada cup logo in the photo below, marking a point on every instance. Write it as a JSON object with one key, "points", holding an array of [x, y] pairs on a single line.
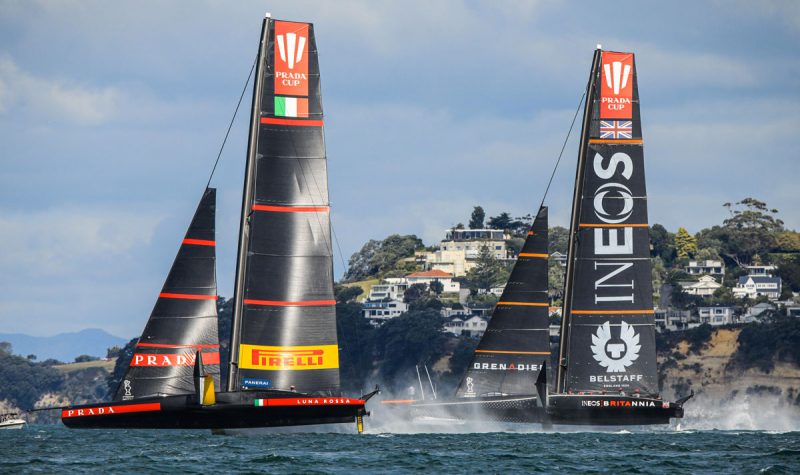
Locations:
{"points": [[617, 356], [617, 75], [291, 48]]}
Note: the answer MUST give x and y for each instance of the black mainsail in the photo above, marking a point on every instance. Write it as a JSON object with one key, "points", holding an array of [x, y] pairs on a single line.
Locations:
{"points": [[184, 319], [284, 327], [607, 358], [516, 343], [284, 354]]}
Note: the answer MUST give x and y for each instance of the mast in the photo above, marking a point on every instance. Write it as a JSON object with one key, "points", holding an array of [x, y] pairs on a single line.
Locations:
{"points": [[247, 204], [573, 225]]}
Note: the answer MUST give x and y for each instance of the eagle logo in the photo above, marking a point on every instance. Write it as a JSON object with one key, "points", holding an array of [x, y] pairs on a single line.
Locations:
{"points": [[615, 357]]}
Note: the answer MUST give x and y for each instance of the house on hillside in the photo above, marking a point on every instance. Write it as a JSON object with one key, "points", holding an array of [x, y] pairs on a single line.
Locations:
{"points": [[761, 270], [716, 315], [458, 252], [560, 258], [381, 310], [752, 286], [755, 312], [704, 287], [708, 267], [435, 275]]}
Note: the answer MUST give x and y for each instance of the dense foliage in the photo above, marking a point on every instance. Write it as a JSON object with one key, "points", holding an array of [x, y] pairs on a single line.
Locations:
{"points": [[22, 381], [761, 345], [377, 257]]}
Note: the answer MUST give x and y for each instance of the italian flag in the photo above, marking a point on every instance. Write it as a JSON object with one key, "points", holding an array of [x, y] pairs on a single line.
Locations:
{"points": [[291, 107], [259, 403]]}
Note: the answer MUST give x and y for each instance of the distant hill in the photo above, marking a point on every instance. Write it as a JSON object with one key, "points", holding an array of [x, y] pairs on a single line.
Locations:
{"points": [[64, 346]]}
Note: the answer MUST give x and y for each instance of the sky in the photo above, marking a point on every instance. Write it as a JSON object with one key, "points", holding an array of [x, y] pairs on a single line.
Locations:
{"points": [[112, 114]]}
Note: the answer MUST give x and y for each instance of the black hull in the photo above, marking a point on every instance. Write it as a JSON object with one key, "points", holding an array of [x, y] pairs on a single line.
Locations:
{"points": [[608, 410], [518, 409], [236, 410]]}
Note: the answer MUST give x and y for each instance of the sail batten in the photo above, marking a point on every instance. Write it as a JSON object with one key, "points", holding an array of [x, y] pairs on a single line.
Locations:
{"points": [[608, 333]]}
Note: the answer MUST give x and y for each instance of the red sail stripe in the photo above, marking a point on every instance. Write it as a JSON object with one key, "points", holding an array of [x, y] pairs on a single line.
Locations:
{"points": [[199, 242], [169, 345], [283, 303], [166, 295], [292, 209], [300, 123], [112, 409]]}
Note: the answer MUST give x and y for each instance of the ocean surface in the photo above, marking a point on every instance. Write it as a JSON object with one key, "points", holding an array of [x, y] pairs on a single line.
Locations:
{"points": [[55, 449]]}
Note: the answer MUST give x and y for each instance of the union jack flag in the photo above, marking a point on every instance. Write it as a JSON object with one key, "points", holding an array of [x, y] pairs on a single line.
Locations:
{"points": [[616, 129]]}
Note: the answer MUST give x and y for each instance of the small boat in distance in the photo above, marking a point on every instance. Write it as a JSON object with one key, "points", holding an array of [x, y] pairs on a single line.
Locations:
{"points": [[284, 354], [11, 421], [607, 359], [506, 380]]}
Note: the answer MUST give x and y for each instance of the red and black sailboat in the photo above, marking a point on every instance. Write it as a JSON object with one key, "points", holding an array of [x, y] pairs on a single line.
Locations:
{"points": [[507, 377], [607, 358], [284, 362]]}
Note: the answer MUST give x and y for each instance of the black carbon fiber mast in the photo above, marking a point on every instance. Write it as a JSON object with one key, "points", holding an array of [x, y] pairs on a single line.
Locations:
{"points": [[573, 225]]}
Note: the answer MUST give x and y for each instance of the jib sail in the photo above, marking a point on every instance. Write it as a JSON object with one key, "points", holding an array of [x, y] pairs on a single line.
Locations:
{"points": [[184, 319], [608, 333], [284, 327], [516, 342]]}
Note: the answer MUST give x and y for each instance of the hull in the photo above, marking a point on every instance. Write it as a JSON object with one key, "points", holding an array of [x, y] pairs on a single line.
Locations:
{"points": [[234, 410], [12, 424], [601, 410], [489, 408]]}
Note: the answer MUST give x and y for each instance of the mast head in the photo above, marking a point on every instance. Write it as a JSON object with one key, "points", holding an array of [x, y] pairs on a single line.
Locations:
{"points": [[268, 15], [599, 46]]}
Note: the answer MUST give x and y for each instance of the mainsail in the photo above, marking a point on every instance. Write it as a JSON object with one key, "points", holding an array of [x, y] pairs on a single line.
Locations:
{"points": [[284, 324], [184, 319], [608, 331], [517, 341]]}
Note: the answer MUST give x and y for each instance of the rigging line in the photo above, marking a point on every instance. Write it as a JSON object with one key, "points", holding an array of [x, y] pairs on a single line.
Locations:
{"points": [[566, 139], [244, 89]]}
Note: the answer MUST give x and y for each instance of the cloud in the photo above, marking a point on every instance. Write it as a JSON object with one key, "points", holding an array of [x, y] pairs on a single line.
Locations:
{"points": [[54, 98], [71, 241]]}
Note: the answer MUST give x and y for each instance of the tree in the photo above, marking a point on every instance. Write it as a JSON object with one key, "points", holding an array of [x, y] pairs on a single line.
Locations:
{"points": [[476, 220], [501, 221], [85, 358], [436, 287], [376, 257], [415, 292], [344, 294], [555, 280], [113, 352], [356, 346], [558, 239], [413, 338], [751, 229], [662, 244], [685, 244], [488, 271]]}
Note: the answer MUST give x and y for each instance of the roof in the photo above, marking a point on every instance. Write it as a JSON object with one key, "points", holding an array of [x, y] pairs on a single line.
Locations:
{"points": [[759, 279], [431, 273]]}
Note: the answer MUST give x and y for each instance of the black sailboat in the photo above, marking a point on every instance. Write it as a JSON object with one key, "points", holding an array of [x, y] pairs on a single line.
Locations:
{"points": [[607, 358], [507, 377], [284, 362]]}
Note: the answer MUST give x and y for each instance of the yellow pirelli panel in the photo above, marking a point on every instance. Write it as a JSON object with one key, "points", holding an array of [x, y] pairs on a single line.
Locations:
{"points": [[288, 358]]}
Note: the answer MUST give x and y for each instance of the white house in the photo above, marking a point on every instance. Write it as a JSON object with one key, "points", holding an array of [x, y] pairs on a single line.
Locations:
{"points": [[704, 287], [753, 313], [752, 286], [435, 275], [706, 267], [761, 270], [381, 310], [716, 315], [459, 251], [560, 258]]}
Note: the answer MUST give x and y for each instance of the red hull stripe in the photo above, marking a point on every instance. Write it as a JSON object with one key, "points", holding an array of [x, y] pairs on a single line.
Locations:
{"points": [[299, 123], [107, 410], [282, 303], [168, 345], [309, 401], [165, 359], [292, 209], [165, 295], [200, 242]]}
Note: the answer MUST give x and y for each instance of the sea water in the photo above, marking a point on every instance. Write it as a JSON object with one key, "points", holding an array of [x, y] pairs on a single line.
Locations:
{"points": [[56, 449]]}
